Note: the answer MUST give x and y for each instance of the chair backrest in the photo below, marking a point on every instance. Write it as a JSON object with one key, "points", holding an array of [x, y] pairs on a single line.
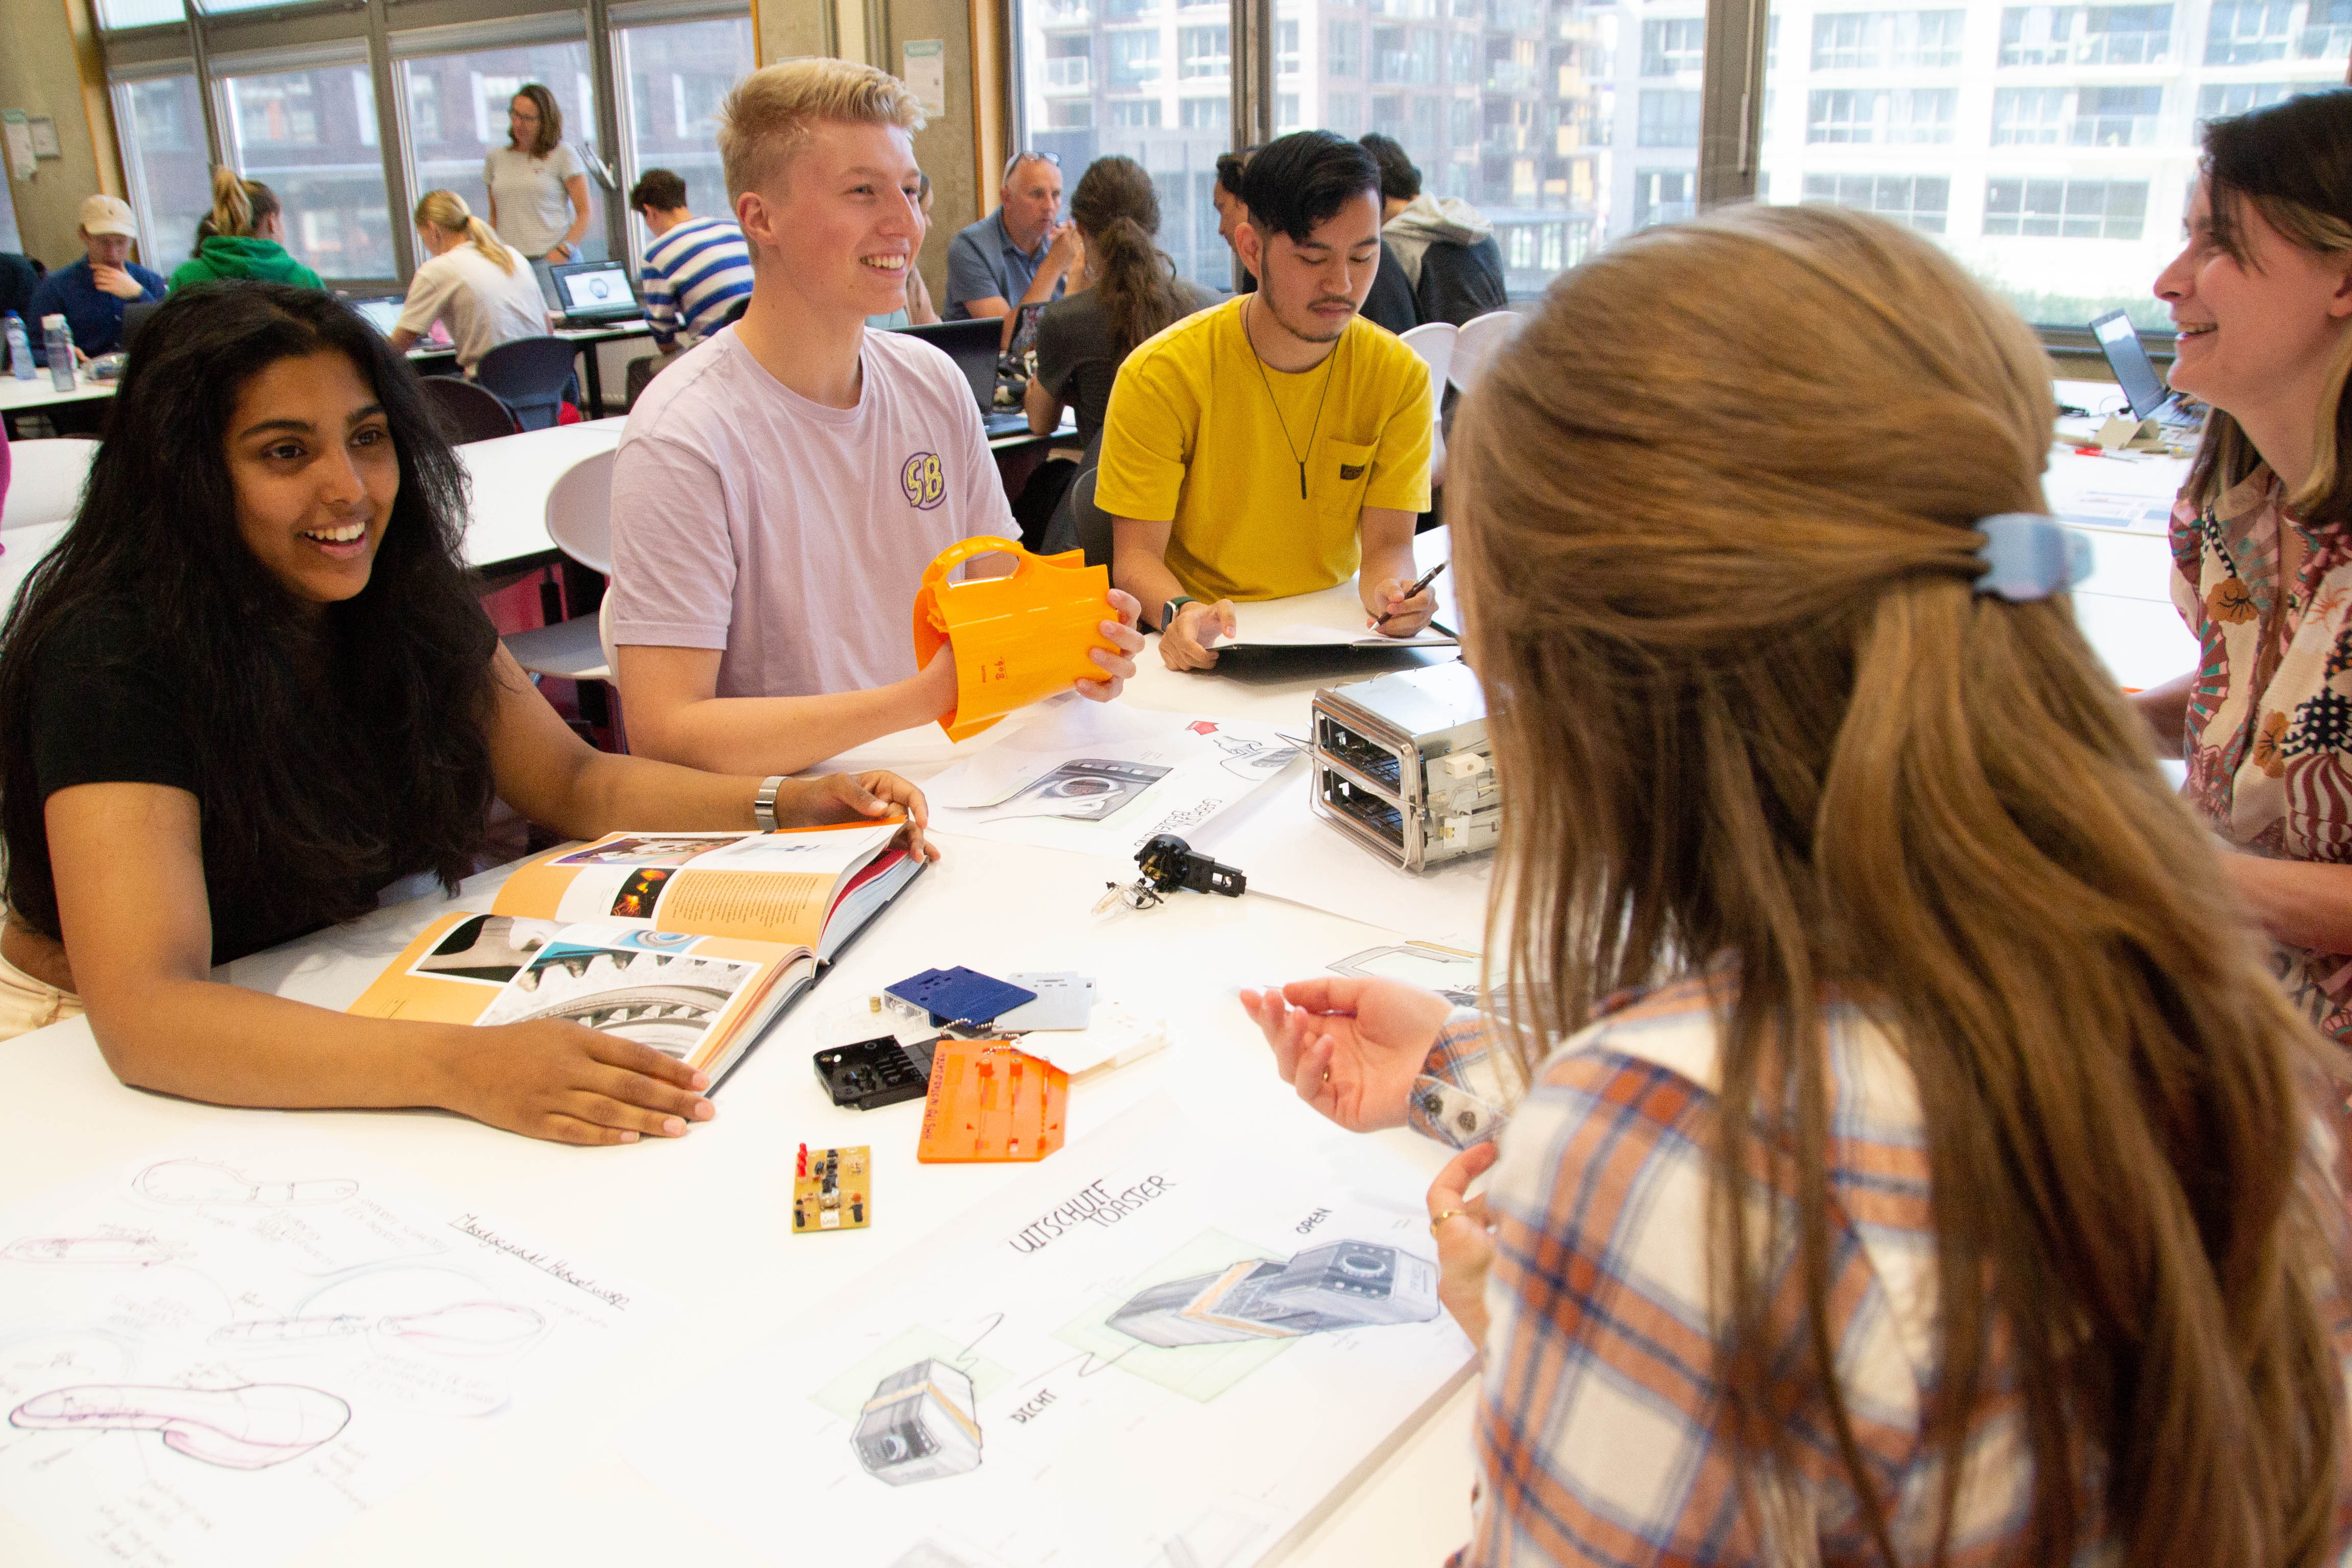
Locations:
{"points": [[135, 316], [465, 411], [1477, 343], [1093, 523], [734, 312], [1433, 342], [604, 640], [46, 479], [579, 512], [529, 375]]}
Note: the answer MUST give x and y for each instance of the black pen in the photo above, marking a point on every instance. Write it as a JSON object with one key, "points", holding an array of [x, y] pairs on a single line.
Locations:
{"points": [[1427, 578]]}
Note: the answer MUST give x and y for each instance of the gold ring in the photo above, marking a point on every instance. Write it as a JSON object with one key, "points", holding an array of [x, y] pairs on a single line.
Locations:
{"points": [[1438, 1219]]}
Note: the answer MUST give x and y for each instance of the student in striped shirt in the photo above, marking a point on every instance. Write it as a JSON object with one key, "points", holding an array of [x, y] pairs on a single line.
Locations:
{"points": [[1905, 1155], [696, 271]]}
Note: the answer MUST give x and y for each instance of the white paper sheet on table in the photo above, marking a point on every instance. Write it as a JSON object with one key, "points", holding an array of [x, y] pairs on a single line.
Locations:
{"points": [[223, 1351], [1044, 1435], [2134, 492], [1103, 777], [1338, 636]]}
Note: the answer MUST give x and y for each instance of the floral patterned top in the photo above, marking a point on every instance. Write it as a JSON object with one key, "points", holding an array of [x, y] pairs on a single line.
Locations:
{"points": [[2269, 743]]}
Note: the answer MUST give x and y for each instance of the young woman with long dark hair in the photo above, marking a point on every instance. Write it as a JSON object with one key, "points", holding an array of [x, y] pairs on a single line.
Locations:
{"points": [[250, 688], [1908, 1159]]}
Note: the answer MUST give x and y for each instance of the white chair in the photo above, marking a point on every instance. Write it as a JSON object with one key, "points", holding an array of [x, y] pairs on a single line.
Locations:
{"points": [[1433, 342], [580, 521], [46, 479], [1475, 343]]}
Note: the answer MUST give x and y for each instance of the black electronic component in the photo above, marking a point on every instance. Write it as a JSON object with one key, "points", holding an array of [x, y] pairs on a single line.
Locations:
{"points": [[1168, 863], [873, 1073]]}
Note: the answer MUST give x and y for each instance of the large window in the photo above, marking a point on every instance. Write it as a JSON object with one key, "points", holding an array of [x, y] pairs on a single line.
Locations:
{"points": [[162, 122], [675, 76], [311, 134], [458, 113], [2050, 146]]}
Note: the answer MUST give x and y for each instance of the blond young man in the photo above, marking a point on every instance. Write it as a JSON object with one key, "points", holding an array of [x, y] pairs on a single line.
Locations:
{"points": [[780, 489]]}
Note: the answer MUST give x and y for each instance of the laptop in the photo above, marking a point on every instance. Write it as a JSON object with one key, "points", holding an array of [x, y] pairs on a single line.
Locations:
{"points": [[384, 315], [1024, 333], [972, 345], [2134, 372], [594, 293]]}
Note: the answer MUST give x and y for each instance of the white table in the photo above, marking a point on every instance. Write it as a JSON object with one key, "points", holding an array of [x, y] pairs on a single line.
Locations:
{"points": [[550, 1483], [37, 395], [510, 475]]}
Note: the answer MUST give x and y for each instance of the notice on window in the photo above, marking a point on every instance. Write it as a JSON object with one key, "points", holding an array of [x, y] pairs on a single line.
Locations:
{"points": [[925, 70], [17, 130]]}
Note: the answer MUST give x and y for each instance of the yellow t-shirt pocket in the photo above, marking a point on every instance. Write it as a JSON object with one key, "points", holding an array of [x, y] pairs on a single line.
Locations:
{"points": [[1338, 489]]}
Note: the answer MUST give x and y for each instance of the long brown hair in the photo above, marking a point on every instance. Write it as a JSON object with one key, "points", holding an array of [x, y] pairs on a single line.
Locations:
{"points": [[551, 120], [239, 206], [2292, 164], [1752, 720], [1118, 211]]}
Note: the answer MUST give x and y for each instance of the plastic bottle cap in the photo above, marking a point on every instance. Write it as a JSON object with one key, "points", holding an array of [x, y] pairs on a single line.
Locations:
{"points": [[51, 323]]}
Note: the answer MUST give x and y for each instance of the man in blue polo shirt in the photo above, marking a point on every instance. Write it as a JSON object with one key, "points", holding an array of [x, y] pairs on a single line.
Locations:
{"points": [[1017, 255], [92, 292]]}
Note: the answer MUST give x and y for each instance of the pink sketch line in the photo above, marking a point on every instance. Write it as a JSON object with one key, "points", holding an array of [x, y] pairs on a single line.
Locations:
{"points": [[250, 1427]]}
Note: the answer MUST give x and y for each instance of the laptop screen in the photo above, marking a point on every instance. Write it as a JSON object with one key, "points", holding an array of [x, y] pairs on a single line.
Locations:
{"points": [[1024, 330], [2129, 361], [382, 314], [601, 287]]}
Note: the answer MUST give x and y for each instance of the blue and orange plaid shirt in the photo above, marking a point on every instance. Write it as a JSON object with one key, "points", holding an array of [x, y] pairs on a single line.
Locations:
{"points": [[1602, 1428]]}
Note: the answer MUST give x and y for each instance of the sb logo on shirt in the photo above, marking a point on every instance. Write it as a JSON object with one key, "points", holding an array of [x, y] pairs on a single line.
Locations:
{"points": [[923, 481]]}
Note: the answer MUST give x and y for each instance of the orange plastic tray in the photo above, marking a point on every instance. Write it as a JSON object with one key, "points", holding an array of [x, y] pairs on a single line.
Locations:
{"points": [[989, 1101]]}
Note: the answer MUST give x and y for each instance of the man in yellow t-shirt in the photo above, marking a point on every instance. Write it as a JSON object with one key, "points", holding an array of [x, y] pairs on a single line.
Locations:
{"points": [[1279, 443]]}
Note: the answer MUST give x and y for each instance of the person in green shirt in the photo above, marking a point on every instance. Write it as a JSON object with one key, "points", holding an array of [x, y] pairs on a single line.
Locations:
{"points": [[243, 237]]}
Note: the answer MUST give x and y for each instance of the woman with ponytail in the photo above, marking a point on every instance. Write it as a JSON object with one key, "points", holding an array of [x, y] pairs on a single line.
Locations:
{"points": [[1126, 290], [2263, 298], [243, 236], [1905, 1157], [481, 287]]}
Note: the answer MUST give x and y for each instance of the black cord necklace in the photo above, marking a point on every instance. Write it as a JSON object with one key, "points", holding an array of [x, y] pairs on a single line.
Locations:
{"points": [[1330, 368]]}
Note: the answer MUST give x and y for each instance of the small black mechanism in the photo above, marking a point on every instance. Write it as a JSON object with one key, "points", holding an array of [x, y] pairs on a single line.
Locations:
{"points": [[873, 1073], [1168, 863]]}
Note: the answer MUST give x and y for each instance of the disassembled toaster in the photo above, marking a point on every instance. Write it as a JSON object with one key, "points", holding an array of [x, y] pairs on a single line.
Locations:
{"points": [[1401, 765]]}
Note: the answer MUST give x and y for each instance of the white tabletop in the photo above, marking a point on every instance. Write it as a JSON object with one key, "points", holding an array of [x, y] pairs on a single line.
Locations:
{"points": [[550, 1483], [510, 477], [17, 396]]}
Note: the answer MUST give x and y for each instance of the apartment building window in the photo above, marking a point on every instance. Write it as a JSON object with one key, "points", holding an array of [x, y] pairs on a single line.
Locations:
{"points": [[1664, 195], [1346, 58], [2029, 116], [1462, 67], [1070, 114], [1134, 59], [2248, 32], [1881, 115], [2115, 116], [2326, 31], [1205, 113], [673, 77], [2217, 99], [1673, 47], [299, 131], [1343, 112], [2066, 209], [1285, 48], [1285, 111], [1203, 52], [2085, 34], [1069, 62], [1405, 54], [1667, 118], [1874, 40], [164, 163], [1922, 201]]}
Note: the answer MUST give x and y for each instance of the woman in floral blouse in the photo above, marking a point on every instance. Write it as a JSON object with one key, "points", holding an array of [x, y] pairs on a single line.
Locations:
{"points": [[2263, 298]]}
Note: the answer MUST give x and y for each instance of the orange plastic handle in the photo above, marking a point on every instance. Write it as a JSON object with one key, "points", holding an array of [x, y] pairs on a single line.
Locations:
{"points": [[956, 555]]}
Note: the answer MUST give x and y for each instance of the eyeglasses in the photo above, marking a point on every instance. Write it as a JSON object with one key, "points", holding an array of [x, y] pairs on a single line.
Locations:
{"points": [[1018, 159]]}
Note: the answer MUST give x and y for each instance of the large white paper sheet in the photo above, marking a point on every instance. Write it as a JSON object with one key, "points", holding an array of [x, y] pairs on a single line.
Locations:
{"points": [[1167, 1347], [2133, 492], [1102, 777], [223, 1351]]}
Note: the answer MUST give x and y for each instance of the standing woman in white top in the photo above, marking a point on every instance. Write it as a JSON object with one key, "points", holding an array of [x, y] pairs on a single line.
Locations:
{"points": [[481, 286], [538, 193]]}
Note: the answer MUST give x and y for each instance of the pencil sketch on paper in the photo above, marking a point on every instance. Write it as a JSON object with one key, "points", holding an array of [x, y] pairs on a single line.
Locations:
{"points": [[93, 1251], [249, 1427], [203, 1182], [1339, 1285], [464, 1329], [920, 1425]]}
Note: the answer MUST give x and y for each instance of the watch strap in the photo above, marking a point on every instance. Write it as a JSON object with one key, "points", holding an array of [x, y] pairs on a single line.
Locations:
{"points": [[763, 804], [1168, 610]]}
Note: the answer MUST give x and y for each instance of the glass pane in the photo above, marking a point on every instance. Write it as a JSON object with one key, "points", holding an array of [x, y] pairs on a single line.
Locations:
{"points": [[1151, 79], [457, 113], [138, 13], [161, 123], [677, 77], [310, 136], [1512, 105], [2051, 147]]}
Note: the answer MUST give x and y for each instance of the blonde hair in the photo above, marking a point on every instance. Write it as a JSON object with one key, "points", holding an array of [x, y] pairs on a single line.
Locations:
{"points": [[1751, 718], [239, 206], [770, 113], [446, 210]]}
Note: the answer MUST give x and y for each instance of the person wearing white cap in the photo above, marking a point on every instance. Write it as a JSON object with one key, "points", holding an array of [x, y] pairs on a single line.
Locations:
{"points": [[92, 292]]}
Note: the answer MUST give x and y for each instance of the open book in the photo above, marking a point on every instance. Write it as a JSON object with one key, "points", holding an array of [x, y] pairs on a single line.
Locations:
{"points": [[689, 943]]}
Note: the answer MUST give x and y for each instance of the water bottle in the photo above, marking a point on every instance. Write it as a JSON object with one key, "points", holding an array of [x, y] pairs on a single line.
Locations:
{"points": [[58, 337], [20, 347]]}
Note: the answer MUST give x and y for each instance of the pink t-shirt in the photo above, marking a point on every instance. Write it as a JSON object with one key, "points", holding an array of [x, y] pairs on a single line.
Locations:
{"points": [[791, 535]]}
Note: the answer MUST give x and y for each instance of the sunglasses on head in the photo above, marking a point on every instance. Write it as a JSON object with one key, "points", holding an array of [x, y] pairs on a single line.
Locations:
{"points": [[1020, 158]]}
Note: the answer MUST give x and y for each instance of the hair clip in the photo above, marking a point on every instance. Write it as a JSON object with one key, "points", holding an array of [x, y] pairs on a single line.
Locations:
{"points": [[2028, 556]]}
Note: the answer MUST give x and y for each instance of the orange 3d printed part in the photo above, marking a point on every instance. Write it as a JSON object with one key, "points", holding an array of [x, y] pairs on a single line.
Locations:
{"points": [[989, 1101], [1017, 638]]}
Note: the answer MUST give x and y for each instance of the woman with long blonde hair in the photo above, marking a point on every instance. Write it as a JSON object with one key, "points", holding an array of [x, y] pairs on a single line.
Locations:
{"points": [[244, 235], [1954, 1186], [481, 288]]}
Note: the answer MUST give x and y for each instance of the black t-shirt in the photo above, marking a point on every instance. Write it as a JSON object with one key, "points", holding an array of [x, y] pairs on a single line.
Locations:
{"points": [[1077, 357], [103, 711]]}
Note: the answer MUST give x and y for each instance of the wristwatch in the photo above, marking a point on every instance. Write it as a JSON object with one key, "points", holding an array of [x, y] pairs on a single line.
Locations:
{"points": [[1168, 610], [763, 804]]}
